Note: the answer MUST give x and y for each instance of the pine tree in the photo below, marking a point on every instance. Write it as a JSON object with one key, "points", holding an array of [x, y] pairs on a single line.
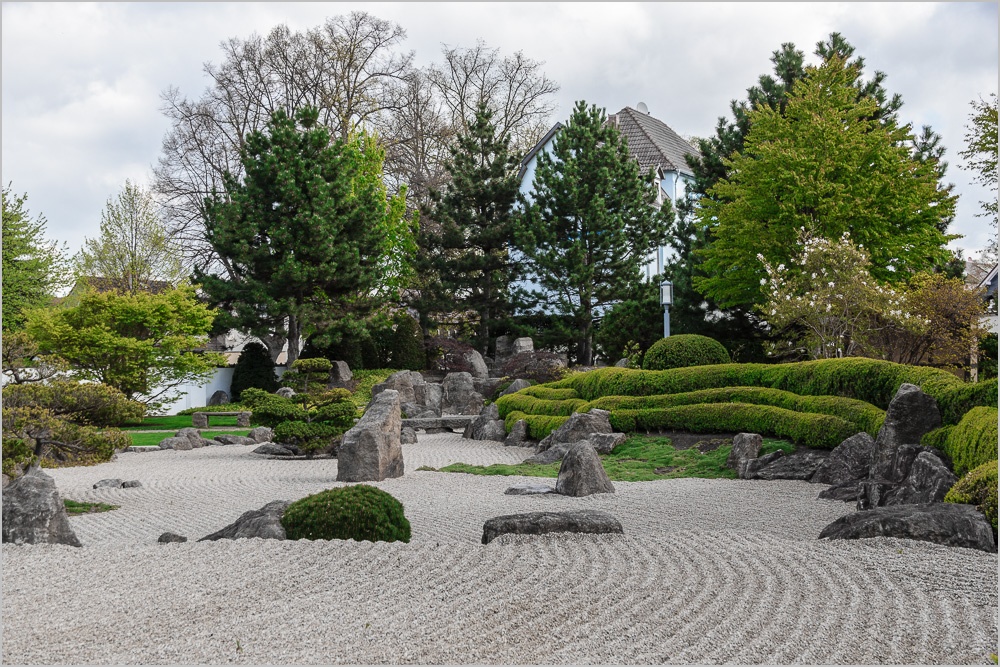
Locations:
{"points": [[254, 369], [467, 231], [590, 224]]}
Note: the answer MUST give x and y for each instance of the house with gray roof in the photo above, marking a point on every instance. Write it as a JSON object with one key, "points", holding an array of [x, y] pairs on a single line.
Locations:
{"points": [[653, 144]]}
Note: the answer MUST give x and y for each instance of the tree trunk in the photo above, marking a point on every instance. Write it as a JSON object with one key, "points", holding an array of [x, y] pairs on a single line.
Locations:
{"points": [[294, 334], [274, 343]]}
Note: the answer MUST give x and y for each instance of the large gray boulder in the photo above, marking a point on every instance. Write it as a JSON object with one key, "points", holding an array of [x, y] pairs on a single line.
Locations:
{"points": [[234, 440], [340, 376], [801, 466], [505, 344], [928, 482], [911, 414], [478, 364], [605, 443], [578, 427], [949, 524], [541, 523], [748, 468], [219, 398], [33, 512], [428, 395], [745, 446], [518, 436], [515, 386], [522, 345], [261, 434], [264, 523], [285, 392], [186, 439], [848, 462], [581, 473], [371, 450], [459, 395], [554, 453], [401, 382], [487, 426]]}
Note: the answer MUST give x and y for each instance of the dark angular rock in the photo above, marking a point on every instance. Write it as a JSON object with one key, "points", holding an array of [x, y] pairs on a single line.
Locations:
{"points": [[745, 446], [794, 466], [261, 434], [949, 524], [578, 427], [219, 398], [749, 467], [581, 473], [486, 386], [166, 538], [33, 512], [371, 451], [847, 492], [264, 523], [132, 484], [928, 482], [541, 523], [529, 490], [340, 376], [911, 414], [108, 484], [518, 436], [407, 436], [234, 440], [515, 386], [273, 449], [848, 462], [554, 453]]}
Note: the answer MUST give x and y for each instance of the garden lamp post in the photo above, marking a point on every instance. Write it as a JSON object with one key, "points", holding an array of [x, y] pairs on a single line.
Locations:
{"points": [[666, 298]]}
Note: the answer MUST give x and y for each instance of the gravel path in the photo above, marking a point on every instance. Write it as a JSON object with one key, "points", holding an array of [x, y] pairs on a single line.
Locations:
{"points": [[708, 571]]}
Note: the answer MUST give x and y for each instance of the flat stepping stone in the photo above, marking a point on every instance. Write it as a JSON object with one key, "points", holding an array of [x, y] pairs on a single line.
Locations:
{"points": [[529, 490], [541, 523], [949, 524]]}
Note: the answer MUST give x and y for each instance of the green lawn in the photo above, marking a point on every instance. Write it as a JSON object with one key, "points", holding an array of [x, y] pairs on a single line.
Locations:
{"points": [[641, 458], [73, 507], [140, 439], [176, 422]]}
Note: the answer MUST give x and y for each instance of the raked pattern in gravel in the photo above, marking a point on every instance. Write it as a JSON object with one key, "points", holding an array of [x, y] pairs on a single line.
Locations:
{"points": [[708, 571]]}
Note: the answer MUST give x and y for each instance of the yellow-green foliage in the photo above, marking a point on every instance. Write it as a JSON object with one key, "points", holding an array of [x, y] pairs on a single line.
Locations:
{"points": [[864, 416], [519, 402], [539, 426], [547, 393], [869, 380], [979, 488], [813, 430], [955, 401], [971, 443]]}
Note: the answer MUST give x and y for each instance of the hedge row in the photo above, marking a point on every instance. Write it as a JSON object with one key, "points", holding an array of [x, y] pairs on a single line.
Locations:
{"points": [[539, 426], [548, 393], [869, 380], [979, 488], [969, 444], [519, 402], [864, 416], [814, 430]]}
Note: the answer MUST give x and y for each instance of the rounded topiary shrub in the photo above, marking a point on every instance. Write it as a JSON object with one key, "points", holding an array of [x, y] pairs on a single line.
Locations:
{"points": [[358, 512], [254, 369], [684, 350], [979, 488]]}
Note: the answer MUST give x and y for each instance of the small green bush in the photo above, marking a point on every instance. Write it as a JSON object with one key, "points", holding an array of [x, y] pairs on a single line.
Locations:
{"points": [[969, 444], [539, 426], [813, 430], [310, 437], [254, 369], [978, 487], [406, 345], [87, 445], [84, 403], [536, 406], [683, 351], [359, 512]]}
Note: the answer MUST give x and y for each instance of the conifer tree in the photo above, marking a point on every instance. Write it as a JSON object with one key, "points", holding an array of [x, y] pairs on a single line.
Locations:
{"points": [[589, 226]]}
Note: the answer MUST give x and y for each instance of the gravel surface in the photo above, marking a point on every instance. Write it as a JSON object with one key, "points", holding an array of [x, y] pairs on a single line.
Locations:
{"points": [[708, 571]]}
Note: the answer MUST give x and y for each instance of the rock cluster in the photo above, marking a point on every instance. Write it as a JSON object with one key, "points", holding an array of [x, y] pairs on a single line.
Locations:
{"points": [[487, 426], [190, 438], [457, 393], [942, 523], [592, 427]]}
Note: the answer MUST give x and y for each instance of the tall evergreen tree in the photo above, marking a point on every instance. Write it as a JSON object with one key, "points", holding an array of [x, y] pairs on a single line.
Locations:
{"points": [[309, 235], [466, 233], [589, 226]]}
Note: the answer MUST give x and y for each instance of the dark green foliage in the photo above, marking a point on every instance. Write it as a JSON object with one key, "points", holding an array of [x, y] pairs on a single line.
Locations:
{"points": [[254, 368], [18, 455], [464, 259], [310, 420], [539, 426], [406, 345], [359, 512], [812, 430], [970, 443], [979, 488], [589, 225], [308, 376], [309, 437], [68, 443], [682, 351], [85, 403], [869, 380], [636, 319], [956, 400], [988, 357]]}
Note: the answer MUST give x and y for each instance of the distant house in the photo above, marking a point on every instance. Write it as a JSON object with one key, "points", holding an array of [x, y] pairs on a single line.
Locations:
{"points": [[653, 144], [101, 285]]}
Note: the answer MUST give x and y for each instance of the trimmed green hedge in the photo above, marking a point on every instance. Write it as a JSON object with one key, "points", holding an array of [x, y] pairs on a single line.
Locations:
{"points": [[539, 426], [814, 430], [979, 488], [969, 444], [869, 380], [683, 351], [519, 402], [864, 416], [955, 402], [547, 393]]}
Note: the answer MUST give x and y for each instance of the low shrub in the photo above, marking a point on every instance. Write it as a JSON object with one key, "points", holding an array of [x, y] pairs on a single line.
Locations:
{"points": [[539, 426], [310, 421], [548, 393], [359, 512], [85, 403], [540, 366], [864, 416], [310, 437], [253, 369], [536, 406], [813, 430], [228, 407], [970, 443], [308, 376], [955, 401], [683, 351], [978, 487], [70, 444]]}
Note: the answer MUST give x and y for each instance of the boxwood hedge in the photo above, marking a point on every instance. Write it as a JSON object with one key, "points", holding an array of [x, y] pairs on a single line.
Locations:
{"points": [[970, 443], [979, 488], [539, 426]]}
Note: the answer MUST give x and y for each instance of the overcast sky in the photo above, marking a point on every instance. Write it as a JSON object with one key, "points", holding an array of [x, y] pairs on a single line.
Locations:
{"points": [[82, 82]]}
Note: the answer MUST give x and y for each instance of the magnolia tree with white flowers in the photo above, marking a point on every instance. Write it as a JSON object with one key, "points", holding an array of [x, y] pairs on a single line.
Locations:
{"points": [[826, 304]]}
